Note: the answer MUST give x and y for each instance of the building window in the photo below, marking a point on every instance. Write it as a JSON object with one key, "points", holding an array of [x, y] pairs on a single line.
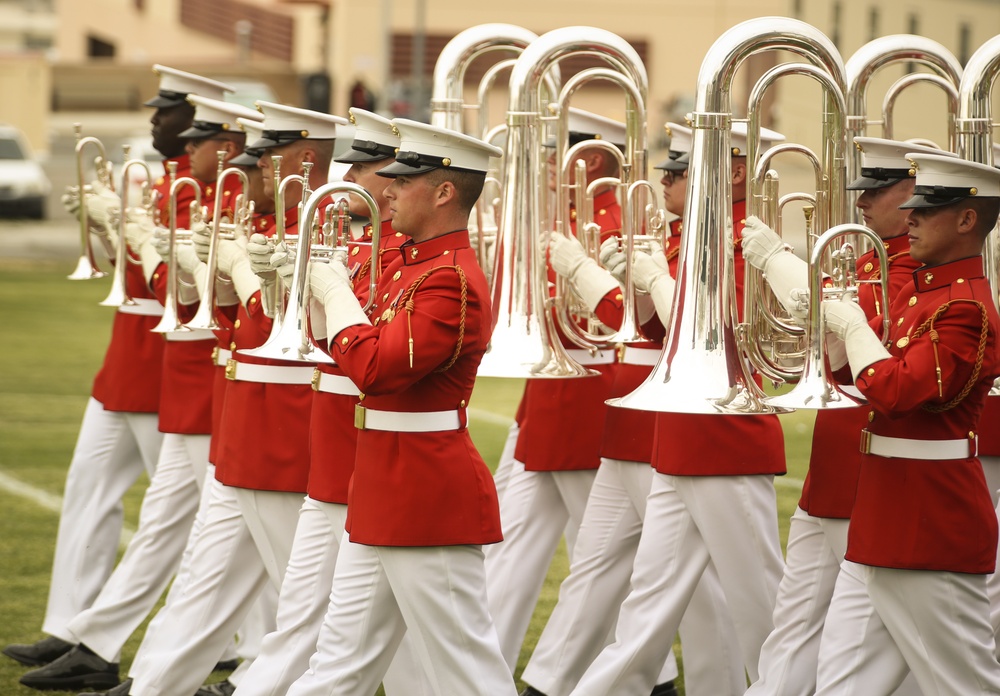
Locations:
{"points": [[873, 17], [964, 40], [96, 48]]}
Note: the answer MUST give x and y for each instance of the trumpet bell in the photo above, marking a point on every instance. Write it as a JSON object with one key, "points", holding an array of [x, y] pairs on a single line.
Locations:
{"points": [[86, 270]]}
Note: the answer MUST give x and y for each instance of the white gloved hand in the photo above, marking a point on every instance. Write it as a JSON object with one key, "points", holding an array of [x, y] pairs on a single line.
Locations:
{"points": [[612, 259], [104, 208], [569, 260], [192, 266], [136, 233], [846, 320], [330, 283], [785, 272], [283, 261], [71, 200], [150, 258], [836, 351], [260, 249], [161, 242], [201, 239], [651, 275], [234, 262]]}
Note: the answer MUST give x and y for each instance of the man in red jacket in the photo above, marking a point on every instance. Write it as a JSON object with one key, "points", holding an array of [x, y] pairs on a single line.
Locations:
{"points": [[422, 501], [923, 534]]}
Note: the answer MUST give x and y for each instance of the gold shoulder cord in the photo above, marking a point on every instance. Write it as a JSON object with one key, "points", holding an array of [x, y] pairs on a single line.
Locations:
{"points": [[928, 326], [408, 305]]}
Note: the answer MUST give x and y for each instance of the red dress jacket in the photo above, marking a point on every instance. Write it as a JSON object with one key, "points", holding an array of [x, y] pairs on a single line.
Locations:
{"points": [[264, 426], [421, 488], [333, 439], [930, 514], [562, 427], [718, 445], [835, 460]]}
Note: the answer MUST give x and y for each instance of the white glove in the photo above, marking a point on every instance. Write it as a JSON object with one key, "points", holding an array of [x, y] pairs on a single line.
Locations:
{"points": [[569, 260], [201, 239], [71, 200], [785, 272], [612, 259], [260, 249], [150, 258], [234, 262], [283, 261], [136, 233], [330, 283], [191, 266], [104, 208], [161, 243], [651, 275], [846, 320]]}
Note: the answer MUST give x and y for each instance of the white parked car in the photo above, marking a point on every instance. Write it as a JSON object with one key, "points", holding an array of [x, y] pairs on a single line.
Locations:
{"points": [[24, 187]]}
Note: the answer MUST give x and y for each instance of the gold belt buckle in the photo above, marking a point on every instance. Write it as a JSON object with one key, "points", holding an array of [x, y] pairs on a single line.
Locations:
{"points": [[231, 370], [866, 442], [317, 376], [359, 416], [620, 349]]}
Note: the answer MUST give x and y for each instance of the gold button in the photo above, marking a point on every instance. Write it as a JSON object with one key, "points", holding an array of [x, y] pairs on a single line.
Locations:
{"points": [[376, 321], [445, 252], [156, 276], [355, 251], [397, 275], [462, 403], [399, 234], [871, 416], [159, 182], [361, 397], [868, 267], [871, 371], [602, 211], [960, 280], [385, 297], [903, 342], [263, 224], [972, 435], [619, 297], [253, 300], [226, 192], [900, 322], [344, 341], [232, 346], [236, 324], [913, 300], [572, 215]]}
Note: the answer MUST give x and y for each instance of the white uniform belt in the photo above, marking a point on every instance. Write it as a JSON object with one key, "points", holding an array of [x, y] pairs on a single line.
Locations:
{"points": [[221, 356], [333, 384], [904, 448], [268, 374], [583, 357], [406, 421], [192, 335], [630, 355], [144, 306]]}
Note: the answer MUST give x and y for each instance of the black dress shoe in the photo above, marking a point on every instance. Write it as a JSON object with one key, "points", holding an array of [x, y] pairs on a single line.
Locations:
{"points": [[222, 688], [78, 669], [664, 689], [120, 690], [226, 665], [39, 653], [531, 691]]}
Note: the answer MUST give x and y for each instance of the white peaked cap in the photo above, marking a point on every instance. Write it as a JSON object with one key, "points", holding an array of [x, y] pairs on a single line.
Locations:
{"points": [[681, 139], [884, 162], [253, 128], [374, 138], [175, 85], [213, 116], [943, 180], [584, 125], [738, 139], [287, 124], [423, 148]]}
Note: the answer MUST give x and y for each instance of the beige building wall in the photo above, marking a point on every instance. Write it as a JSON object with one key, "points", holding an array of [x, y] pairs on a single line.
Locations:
{"points": [[24, 82]]}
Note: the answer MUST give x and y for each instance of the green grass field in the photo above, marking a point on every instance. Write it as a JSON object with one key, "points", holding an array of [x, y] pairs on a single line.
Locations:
{"points": [[52, 340]]}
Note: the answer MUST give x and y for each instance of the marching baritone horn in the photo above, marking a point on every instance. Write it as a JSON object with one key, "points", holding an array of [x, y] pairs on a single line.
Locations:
{"points": [[86, 265]]}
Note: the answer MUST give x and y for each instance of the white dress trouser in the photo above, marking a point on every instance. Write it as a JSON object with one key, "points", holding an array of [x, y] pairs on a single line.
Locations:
{"points": [[692, 522], [227, 574], [885, 620], [112, 450], [152, 557], [584, 618], [535, 509], [434, 594], [506, 463]]}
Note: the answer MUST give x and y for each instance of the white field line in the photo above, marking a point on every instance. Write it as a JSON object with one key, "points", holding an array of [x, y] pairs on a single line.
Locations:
{"points": [[48, 501]]}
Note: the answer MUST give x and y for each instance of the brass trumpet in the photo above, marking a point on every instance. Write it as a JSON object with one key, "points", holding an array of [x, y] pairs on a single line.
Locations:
{"points": [[204, 317], [171, 320], [86, 266]]}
